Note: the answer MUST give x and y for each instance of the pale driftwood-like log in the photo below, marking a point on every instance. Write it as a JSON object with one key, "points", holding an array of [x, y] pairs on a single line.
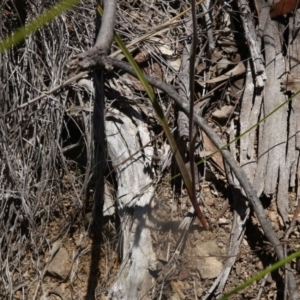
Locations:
{"points": [[272, 160], [250, 111], [251, 37], [272, 133], [291, 83], [252, 98], [272, 140], [276, 153], [126, 133]]}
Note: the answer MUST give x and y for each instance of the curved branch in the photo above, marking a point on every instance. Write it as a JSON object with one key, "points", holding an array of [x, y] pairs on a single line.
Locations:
{"points": [[237, 170], [239, 173]]}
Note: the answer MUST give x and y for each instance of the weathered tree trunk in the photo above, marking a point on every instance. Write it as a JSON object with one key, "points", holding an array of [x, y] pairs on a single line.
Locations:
{"points": [[271, 162], [126, 133]]}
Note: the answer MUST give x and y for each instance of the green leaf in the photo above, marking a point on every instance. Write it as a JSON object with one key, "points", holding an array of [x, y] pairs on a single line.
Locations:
{"points": [[261, 274], [37, 23]]}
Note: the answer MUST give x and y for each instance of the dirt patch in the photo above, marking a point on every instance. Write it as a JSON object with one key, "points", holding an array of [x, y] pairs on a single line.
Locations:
{"points": [[187, 263]]}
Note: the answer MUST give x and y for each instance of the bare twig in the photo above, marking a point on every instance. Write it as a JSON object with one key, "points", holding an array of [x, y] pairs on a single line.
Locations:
{"points": [[240, 216], [103, 43], [106, 33], [51, 91], [192, 138], [208, 22]]}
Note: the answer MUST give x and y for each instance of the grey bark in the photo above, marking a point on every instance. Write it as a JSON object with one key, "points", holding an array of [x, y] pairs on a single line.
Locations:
{"points": [[126, 132]]}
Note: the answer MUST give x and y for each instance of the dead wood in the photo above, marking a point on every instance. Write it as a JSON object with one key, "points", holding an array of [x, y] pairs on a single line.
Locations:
{"points": [[126, 132], [52, 172], [239, 173], [39, 184], [240, 218]]}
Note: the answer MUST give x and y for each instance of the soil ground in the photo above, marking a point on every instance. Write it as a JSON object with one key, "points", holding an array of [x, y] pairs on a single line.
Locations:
{"points": [[195, 259]]}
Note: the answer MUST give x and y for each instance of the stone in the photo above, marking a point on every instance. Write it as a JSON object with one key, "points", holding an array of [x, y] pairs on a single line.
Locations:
{"points": [[59, 267], [206, 262], [209, 267]]}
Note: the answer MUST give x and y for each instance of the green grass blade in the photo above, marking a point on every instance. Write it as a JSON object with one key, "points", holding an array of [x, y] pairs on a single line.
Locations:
{"points": [[253, 127], [261, 274], [38, 22], [245, 132]]}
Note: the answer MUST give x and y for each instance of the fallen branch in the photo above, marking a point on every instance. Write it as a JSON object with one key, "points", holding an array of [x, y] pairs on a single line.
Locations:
{"points": [[236, 169]]}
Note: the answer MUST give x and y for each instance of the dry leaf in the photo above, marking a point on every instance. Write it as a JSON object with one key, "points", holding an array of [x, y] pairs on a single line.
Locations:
{"points": [[175, 64], [209, 146], [237, 70], [290, 83], [166, 50], [224, 113], [222, 65], [201, 67], [283, 7], [217, 55]]}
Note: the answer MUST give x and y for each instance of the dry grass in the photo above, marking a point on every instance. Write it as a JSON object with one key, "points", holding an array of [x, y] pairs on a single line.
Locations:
{"points": [[46, 148], [43, 182]]}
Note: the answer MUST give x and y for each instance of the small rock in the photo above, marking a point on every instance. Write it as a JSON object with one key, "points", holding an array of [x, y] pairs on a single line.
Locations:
{"points": [[174, 297], [223, 113], [221, 245], [208, 248], [184, 273], [238, 269], [177, 287], [209, 200], [60, 265], [209, 267], [199, 292]]}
